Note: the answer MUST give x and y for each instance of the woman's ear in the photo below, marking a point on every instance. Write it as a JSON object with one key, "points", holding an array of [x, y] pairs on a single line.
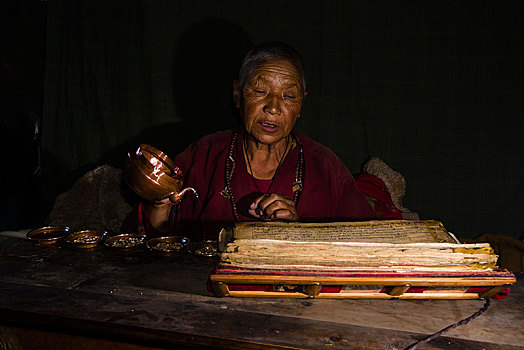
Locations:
{"points": [[236, 93]]}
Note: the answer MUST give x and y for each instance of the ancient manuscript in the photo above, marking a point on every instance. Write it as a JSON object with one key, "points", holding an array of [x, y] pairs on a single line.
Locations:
{"points": [[370, 245]]}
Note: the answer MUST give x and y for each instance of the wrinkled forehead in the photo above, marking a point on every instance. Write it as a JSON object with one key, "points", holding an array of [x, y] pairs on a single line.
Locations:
{"points": [[279, 70]]}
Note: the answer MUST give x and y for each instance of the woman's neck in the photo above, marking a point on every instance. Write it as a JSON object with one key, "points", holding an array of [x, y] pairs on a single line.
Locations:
{"points": [[262, 160]]}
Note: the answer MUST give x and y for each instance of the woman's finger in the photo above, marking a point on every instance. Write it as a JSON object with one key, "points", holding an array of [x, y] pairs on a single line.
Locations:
{"points": [[257, 201], [278, 208], [266, 201], [285, 214], [273, 207]]}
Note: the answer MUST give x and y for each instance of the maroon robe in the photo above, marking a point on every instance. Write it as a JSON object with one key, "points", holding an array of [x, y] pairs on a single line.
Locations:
{"points": [[329, 191]]}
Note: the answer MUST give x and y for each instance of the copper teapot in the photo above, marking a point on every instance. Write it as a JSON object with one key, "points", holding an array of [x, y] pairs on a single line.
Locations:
{"points": [[153, 176]]}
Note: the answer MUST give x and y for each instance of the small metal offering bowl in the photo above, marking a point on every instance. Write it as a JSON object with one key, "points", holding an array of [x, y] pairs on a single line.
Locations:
{"points": [[86, 239], [125, 241], [152, 174], [205, 249], [169, 245], [48, 234]]}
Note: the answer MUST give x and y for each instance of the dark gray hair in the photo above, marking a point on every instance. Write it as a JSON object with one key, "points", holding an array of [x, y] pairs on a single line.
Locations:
{"points": [[265, 52]]}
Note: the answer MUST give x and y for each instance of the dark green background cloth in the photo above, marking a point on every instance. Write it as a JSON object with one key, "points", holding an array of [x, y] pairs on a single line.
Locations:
{"points": [[434, 88]]}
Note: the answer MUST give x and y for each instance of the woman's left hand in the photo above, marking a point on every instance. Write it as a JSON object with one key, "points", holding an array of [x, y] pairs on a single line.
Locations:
{"points": [[272, 206]]}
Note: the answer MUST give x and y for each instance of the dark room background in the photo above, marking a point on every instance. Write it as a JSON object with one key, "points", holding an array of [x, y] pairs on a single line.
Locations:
{"points": [[433, 88]]}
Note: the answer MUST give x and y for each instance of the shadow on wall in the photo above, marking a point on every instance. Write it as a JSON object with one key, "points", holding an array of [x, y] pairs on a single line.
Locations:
{"points": [[207, 60]]}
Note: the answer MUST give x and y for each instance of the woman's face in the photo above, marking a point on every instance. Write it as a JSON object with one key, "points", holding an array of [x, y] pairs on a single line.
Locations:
{"points": [[271, 101]]}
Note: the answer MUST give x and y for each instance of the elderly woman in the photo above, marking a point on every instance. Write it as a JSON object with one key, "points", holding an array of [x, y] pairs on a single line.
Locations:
{"points": [[264, 170]]}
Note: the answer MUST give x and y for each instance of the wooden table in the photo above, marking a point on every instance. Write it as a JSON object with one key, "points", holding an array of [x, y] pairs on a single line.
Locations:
{"points": [[62, 297]]}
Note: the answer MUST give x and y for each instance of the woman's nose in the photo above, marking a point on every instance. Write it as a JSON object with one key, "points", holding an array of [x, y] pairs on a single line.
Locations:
{"points": [[273, 105]]}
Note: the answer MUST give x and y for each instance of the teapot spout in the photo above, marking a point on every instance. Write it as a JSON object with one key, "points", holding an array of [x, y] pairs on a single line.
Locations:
{"points": [[177, 196]]}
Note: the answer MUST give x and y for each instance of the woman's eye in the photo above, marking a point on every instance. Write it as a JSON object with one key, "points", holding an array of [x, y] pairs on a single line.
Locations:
{"points": [[260, 92], [290, 97]]}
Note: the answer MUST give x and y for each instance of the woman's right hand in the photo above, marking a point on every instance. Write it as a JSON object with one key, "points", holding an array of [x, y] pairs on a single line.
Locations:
{"points": [[158, 212]]}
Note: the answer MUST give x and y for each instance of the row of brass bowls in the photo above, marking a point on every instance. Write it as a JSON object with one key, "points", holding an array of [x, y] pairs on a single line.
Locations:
{"points": [[175, 245], [79, 239], [53, 234], [152, 174], [167, 246]]}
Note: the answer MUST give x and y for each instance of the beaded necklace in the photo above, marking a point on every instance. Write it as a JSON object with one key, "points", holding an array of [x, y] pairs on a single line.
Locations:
{"points": [[230, 168]]}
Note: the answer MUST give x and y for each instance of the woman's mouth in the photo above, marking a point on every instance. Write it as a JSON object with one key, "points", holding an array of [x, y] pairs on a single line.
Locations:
{"points": [[268, 127]]}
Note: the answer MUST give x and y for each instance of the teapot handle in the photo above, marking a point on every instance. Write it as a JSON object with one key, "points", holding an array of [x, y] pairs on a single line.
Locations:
{"points": [[177, 196]]}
